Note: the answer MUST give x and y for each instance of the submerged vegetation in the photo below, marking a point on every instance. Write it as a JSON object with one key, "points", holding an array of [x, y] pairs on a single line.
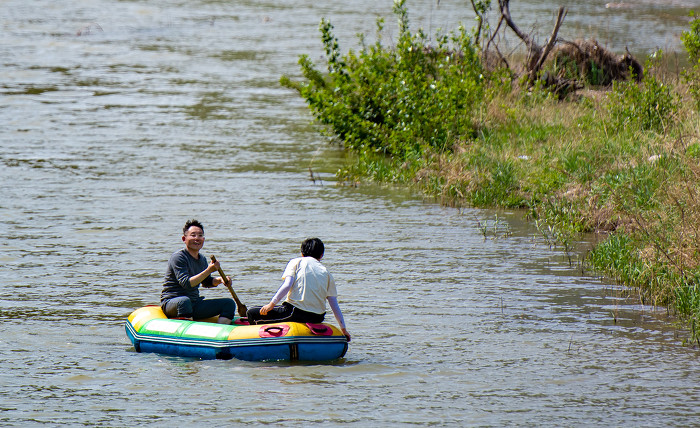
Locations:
{"points": [[617, 155]]}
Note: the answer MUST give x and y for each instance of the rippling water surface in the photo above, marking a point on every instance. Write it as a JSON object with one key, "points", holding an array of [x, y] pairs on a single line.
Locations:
{"points": [[120, 120]]}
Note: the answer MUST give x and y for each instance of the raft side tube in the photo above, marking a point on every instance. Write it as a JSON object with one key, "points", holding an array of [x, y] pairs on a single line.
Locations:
{"points": [[269, 352], [321, 351], [180, 350]]}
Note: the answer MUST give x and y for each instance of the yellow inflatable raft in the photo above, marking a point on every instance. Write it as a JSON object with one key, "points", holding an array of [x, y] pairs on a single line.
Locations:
{"points": [[151, 331]]}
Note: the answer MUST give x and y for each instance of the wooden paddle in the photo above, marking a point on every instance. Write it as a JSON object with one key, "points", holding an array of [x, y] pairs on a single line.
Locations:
{"points": [[242, 310]]}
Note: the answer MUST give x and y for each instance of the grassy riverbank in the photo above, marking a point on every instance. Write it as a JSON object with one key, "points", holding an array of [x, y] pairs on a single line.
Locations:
{"points": [[623, 160]]}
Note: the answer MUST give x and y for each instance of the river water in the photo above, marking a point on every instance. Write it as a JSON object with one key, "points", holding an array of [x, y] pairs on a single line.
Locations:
{"points": [[121, 119]]}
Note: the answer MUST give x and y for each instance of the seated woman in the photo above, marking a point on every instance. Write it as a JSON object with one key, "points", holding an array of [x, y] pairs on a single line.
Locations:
{"points": [[307, 285]]}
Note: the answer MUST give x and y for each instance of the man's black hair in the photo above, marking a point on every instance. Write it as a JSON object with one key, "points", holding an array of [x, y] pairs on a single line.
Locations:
{"points": [[312, 247], [191, 223]]}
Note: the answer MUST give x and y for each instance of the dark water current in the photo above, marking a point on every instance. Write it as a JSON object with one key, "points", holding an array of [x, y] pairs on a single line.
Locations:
{"points": [[120, 119]]}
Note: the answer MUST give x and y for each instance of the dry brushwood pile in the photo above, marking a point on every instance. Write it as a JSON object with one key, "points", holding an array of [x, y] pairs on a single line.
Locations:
{"points": [[597, 64], [563, 66]]}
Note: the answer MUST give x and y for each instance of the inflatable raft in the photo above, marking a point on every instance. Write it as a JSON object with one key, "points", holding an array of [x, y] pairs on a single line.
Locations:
{"points": [[151, 331]]}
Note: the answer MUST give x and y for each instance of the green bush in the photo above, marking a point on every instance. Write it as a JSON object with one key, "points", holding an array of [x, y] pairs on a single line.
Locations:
{"points": [[691, 42], [633, 188], [650, 106], [404, 102]]}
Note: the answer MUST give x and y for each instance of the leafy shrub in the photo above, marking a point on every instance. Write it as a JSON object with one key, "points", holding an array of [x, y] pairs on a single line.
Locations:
{"points": [[633, 187], [650, 106], [402, 102], [691, 42]]}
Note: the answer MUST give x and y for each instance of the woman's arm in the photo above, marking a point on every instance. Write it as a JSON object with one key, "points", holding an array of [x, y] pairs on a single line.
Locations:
{"points": [[281, 293], [333, 302]]}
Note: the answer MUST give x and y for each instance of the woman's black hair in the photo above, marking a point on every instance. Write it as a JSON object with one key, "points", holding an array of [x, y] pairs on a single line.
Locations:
{"points": [[191, 223], [312, 247]]}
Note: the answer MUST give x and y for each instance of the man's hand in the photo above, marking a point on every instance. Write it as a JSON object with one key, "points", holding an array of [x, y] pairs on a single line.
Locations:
{"points": [[213, 267], [218, 280]]}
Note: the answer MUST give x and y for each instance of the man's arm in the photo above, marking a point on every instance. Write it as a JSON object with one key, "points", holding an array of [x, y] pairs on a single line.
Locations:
{"points": [[197, 279]]}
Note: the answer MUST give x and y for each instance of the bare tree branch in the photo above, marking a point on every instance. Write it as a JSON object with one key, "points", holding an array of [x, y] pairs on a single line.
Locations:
{"points": [[495, 45], [481, 22], [536, 54], [534, 50], [550, 43]]}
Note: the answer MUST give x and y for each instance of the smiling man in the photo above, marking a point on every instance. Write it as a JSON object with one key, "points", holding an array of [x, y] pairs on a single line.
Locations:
{"points": [[187, 270]]}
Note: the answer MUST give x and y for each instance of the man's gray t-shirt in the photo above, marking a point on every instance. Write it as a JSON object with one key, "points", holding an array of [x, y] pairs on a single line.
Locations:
{"points": [[181, 267]]}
